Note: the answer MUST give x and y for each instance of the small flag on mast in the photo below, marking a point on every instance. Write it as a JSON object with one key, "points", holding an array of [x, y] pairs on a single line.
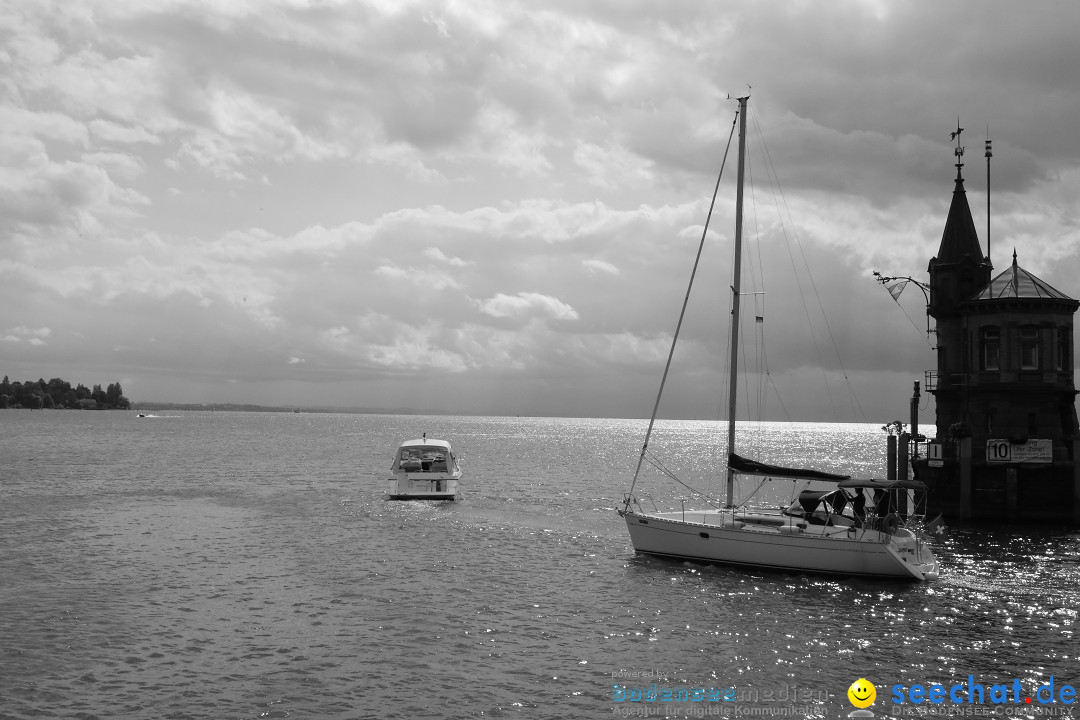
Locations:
{"points": [[896, 288]]}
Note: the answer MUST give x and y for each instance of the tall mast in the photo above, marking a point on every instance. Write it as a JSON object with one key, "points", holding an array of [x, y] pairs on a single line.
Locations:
{"points": [[736, 275], [989, 155]]}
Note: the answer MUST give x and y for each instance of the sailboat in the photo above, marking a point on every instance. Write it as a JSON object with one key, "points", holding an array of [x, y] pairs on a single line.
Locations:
{"points": [[834, 530]]}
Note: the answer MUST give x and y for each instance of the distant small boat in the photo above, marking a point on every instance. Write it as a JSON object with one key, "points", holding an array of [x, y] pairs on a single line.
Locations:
{"points": [[424, 469]]}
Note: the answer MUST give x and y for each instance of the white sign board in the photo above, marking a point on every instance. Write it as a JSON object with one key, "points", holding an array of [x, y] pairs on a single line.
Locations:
{"points": [[1033, 451]]}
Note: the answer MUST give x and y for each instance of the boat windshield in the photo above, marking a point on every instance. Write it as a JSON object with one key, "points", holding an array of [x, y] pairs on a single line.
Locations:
{"points": [[424, 459]]}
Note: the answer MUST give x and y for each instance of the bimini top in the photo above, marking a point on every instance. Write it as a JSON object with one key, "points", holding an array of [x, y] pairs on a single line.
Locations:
{"points": [[753, 467], [426, 442], [810, 500], [879, 484], [1016, 282]]}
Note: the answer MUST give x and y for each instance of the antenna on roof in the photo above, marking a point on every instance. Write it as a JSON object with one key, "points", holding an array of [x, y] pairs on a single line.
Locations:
{"points": [[989, 154]]}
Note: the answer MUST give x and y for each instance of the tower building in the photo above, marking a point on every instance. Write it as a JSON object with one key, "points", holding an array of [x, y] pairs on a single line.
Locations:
{"points": [[1007, 436]]}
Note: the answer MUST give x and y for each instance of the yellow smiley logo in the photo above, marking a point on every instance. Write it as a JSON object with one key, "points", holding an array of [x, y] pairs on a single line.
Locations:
{"points": [[862, 693]]}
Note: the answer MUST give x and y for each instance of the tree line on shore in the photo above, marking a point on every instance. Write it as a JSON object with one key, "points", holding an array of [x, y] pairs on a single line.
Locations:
{"points": [[58, 393]]}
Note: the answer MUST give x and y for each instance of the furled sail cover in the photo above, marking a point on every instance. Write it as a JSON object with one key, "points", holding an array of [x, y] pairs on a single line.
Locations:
{"points": [[753, 467], [878, 484]]}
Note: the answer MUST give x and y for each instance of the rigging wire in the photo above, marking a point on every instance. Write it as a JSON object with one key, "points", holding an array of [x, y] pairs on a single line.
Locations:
{"points": [[756, 277], [786, 211], [656, 463], [755, 407], [682, 312], [896, 298], [776, 390], [753, 284], [918, 329], [758, 274]]}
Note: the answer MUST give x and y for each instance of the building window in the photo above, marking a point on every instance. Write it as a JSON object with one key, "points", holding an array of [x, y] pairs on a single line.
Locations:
{"points": [[991, 348], [1062, 357], [1029, 348]]}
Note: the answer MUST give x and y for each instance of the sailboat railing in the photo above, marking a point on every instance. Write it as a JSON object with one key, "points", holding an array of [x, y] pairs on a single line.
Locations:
{"points": [[635, 500]]}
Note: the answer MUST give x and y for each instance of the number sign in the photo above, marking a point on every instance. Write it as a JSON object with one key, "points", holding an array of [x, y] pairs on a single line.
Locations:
{"points": [[1039, 450]]}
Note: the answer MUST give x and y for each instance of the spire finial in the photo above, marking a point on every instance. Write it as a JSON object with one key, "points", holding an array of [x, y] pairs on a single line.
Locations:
{"points": [[1015, 275], [959, 151]]}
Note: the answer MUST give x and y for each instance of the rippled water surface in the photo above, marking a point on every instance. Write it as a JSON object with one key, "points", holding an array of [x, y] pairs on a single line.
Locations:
{"points": [[235, 565]]}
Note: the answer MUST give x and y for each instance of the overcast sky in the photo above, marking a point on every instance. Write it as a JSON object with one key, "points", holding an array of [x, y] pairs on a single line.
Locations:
{"points": [[493, 207]]}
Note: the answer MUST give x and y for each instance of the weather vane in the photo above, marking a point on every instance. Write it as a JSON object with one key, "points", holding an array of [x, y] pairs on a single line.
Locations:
{"points": [[959, 151]]}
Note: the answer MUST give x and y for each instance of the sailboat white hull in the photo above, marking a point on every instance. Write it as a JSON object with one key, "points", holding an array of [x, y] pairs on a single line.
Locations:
{"points": [[718, 538]]}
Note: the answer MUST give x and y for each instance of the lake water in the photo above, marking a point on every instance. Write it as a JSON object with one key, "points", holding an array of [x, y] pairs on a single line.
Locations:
{"points": [[247, 565]]}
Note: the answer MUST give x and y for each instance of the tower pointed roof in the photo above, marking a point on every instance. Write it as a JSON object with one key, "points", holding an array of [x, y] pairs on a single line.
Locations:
{"points": [[959, 240], [1017, 282]]}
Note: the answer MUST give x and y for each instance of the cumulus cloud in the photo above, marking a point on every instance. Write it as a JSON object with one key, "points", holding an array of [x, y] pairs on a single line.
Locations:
{"points": [[34, 337], [385, 194], [600, 266], [526, 304], [438, 256], [428, 277]]}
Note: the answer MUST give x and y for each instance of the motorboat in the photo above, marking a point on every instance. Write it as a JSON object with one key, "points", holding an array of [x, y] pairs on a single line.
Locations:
{"points": [[424, 469]]}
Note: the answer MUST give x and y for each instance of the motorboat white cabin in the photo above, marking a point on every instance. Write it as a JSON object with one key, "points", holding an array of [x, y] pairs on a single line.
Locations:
{"points": [[424, 469]]}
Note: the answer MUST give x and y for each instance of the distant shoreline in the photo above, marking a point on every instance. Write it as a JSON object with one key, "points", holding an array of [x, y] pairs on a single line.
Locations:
{"points": [[149, 407], [242, 407]]}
